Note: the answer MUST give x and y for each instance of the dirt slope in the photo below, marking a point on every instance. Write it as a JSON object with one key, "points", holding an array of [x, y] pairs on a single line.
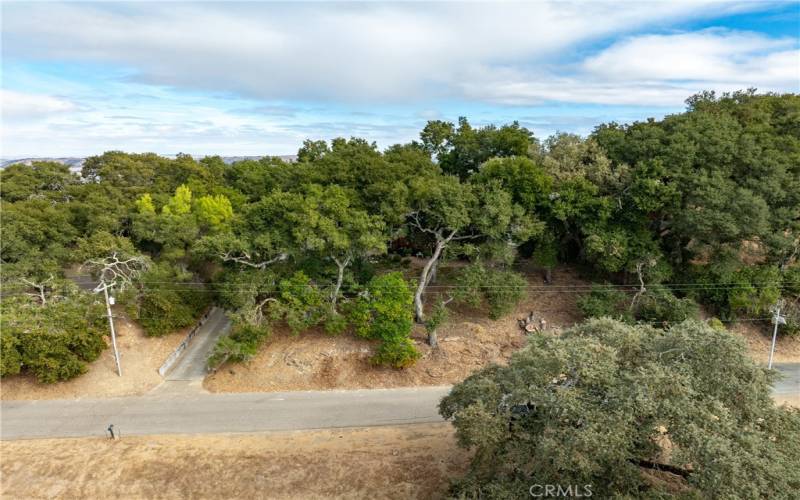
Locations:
{"points": [[316, 360]]}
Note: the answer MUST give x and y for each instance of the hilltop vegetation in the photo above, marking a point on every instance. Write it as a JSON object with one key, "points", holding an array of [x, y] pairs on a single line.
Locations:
{"points": [[700, 207]]}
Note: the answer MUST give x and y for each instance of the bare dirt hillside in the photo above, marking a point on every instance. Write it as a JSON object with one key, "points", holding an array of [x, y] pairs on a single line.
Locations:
{"points": [[387, 462], [469, 341], [140, 357], [758, 337]]}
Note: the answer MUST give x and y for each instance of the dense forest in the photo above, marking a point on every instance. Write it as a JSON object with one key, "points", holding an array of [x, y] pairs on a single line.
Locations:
{"points": [[699, 209]]}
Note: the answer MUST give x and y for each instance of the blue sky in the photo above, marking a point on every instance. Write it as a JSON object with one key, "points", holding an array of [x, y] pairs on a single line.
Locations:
{"points": [[259, 78]]}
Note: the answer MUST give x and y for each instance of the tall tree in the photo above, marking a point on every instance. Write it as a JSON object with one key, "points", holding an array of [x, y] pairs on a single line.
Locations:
{"points": [[604, 404], [449, 211]]}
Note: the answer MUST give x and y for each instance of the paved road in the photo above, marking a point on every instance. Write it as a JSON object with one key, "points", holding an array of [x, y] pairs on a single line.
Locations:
{"points": [[201, 413], [789, 385], [191, 365]]}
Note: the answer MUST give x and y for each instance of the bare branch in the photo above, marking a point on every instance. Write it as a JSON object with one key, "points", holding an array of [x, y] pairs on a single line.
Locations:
{"points": [[115, 272], [245, 260], [40, 287], [414, 216]]}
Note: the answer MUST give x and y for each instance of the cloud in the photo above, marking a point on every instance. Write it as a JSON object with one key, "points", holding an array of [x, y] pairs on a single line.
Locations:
{"points": [[371, 52], [705, 56], [255, 78], [653, 70], [25, 106]]}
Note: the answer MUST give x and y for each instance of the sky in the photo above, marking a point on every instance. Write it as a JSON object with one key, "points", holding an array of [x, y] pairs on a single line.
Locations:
{"points": [[258, 78]]}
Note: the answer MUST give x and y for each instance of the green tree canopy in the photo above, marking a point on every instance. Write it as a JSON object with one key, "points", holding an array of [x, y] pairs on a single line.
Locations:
{"points": [[606, 403]]}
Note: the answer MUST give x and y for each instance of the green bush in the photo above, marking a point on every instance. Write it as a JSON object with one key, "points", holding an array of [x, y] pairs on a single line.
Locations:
{"points": [[169, 301], [398, 353], [717, 324], [791, 311], [335, 323], [791, 281], [659, 305], [438, 316], [501, 290], [300, 303], [10, 357], [241, 345], [605, 301], [384, 312], [736, 292], [54, 342]]}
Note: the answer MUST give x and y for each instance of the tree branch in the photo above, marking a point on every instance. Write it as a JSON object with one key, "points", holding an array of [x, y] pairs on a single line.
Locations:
{"points": [[663, 467], [246, 260], [114, 271]]}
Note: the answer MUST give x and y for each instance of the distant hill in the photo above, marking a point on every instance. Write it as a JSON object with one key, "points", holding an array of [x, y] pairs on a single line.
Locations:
{"points": [[75, 163]]}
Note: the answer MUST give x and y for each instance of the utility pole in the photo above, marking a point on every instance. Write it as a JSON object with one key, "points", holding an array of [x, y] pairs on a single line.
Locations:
{"points": [[778, 320], [113, 332], [116, 272]]}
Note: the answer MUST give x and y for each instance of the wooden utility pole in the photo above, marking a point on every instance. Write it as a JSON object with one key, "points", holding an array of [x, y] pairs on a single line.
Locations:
{"points": [[116, 272], [113, 332], [778, 320]]}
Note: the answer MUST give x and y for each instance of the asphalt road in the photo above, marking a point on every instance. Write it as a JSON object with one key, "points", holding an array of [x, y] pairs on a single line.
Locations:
{"points": [[191, 365], [206, 413], [789, 385]]}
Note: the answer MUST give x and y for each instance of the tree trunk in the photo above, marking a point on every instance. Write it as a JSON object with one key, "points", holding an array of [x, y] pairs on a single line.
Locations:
{"points": [[548, 275], [432, 274], [642, 289], [433, 339], [419, 312], [339, 279]]}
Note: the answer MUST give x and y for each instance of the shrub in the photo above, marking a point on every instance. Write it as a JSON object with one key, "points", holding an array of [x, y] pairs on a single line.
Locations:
{"points": [[791, 311], [10, 357], [169, 301], [336, 323], [659, 305], [501, 290], [241, 345], [300, 303], [732, 291], [384, 312], [398, 353], [716, 324], [437, 317], [605, 301], [54, 342]]}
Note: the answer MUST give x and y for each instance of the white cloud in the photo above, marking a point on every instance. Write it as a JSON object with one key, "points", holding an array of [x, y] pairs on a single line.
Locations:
{"points": [[271, 75], [23, 106], [654, 70], [705, 56], [330, 51]]}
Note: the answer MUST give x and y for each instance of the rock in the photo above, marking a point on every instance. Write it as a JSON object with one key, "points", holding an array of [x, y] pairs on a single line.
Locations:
{"points": [[434, 373]]}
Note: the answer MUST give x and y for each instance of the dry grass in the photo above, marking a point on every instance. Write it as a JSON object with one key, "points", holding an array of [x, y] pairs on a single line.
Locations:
{"points": [[759, 339], [387, 462]]}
